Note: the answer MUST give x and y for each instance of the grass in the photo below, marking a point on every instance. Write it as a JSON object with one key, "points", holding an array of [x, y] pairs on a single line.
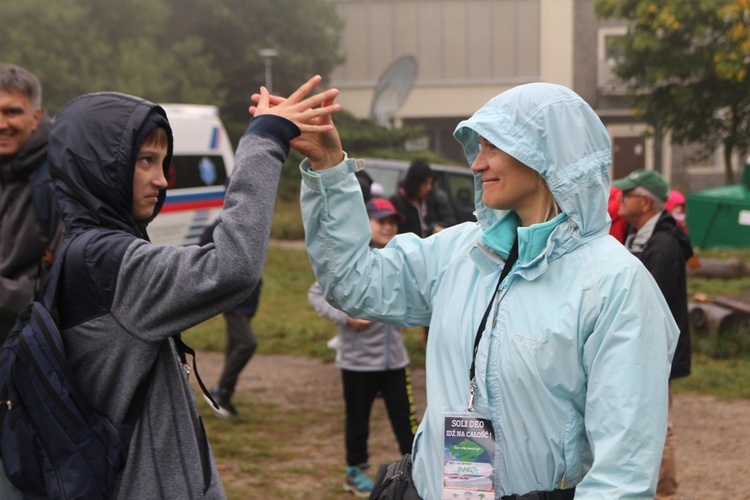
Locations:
{"points": [[723, 378], [253, 456]]}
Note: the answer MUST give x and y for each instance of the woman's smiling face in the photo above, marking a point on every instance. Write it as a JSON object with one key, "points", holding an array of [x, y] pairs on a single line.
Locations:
{"points": [[507, 184]]}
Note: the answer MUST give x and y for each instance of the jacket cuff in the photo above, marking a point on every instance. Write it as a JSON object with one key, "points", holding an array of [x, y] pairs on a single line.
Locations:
{"points": [[274, 127], [318, 180]]}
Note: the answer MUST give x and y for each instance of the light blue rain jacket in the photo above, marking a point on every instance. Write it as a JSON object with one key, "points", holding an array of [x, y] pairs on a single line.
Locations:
{"points": [[574, 370]]}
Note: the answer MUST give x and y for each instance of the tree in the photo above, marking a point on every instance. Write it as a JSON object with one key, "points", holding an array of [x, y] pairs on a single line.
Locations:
{"points": [[306, 35], [685, 63], [79, 46], [194, 51]]}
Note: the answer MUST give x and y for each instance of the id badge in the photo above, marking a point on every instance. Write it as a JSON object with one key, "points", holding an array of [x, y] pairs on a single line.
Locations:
{"points": [[469, 454]]}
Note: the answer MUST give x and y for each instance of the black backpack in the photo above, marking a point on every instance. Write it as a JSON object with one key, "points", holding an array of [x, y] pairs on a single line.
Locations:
{"points": [[53, 442]]}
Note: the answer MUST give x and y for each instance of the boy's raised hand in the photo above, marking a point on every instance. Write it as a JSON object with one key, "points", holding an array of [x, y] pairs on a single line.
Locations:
{"points": [[319, 140]]}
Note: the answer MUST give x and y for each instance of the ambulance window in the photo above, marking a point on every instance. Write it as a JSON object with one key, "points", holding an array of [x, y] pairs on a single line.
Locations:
{"points": [[197, 171]]}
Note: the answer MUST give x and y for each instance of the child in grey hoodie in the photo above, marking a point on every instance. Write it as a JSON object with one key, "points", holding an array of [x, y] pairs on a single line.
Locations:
{"points": [[373, 360]]}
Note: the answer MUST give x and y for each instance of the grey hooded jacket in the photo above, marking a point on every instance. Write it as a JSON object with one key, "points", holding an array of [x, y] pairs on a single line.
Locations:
{"points": [[378, 347], [122, 299]]}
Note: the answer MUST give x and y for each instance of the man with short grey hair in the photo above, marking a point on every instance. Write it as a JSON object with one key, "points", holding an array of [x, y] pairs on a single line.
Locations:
{"points": [[664, 249], [26, 216]]}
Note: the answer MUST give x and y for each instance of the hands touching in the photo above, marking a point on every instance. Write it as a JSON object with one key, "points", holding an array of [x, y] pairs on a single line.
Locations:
{"points": [[319, 140]]}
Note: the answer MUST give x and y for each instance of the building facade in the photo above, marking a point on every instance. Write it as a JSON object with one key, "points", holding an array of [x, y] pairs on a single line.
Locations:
{"points": [[468, 51]]}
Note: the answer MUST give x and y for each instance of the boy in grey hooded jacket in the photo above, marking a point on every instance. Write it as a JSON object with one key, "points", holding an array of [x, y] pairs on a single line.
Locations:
{"points": [[122, 300]]}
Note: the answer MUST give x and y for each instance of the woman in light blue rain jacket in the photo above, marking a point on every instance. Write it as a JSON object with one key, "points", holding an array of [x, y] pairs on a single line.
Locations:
{"points": [[574, 361]]}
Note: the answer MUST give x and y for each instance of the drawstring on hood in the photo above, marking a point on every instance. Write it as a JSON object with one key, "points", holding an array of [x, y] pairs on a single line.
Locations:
{"points": [[93, 147]]}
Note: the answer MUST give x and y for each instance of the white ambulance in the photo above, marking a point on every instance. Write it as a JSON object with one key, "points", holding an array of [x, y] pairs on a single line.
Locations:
{"points": [[203, 159]]}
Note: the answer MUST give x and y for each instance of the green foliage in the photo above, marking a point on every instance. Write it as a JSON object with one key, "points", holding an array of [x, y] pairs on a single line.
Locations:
{"points": [[686, 68], [305, 34], [365, 138], [194, 51]]}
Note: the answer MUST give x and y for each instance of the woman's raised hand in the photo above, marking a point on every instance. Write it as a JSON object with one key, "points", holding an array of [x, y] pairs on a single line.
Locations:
{"points": [[319, 140]]}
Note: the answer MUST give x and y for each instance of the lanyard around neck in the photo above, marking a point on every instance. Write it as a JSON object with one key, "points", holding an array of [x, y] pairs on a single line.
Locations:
{"points": [[509, 262]]}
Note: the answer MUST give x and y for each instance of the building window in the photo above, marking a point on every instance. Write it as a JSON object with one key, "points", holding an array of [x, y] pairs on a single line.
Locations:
{"points": [[608, 56]]}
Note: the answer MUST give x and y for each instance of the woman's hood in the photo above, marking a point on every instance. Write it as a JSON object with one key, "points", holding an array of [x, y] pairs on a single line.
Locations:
{"points": [[93, 146], [552, 130]]}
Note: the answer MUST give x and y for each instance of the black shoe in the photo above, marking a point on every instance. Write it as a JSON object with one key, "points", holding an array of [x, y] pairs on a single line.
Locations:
{"points": [[225, 410]]}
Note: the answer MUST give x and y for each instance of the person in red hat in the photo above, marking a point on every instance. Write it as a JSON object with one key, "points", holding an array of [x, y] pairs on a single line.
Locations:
{"points": [[619, 227], [373, 361], [675, 205]]}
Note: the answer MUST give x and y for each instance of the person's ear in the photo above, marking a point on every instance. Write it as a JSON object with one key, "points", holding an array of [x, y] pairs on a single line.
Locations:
{"points": [[648, 205], [38, 117]]}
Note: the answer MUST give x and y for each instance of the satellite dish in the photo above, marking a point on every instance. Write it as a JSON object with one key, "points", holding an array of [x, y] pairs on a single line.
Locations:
{"points": [[392, 90]]}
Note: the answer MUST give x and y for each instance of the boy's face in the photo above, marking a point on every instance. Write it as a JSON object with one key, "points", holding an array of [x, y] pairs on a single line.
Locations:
{"points": [[18, 120], [148, 179], [383, 230]]}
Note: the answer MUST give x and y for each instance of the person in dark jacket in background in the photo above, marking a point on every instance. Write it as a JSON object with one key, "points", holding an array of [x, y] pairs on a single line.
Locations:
{"points": [[415, 202], [664, 249], [411, 199], [25, 190], [440, 213], [123, 301], [241, 342], [27, 224]]}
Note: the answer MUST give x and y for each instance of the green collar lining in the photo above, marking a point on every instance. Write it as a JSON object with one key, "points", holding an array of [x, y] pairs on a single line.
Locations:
{"points": [[532, 240]]}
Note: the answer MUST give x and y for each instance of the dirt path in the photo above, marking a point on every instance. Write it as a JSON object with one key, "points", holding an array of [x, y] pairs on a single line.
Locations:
{"points": [[713, 436]]}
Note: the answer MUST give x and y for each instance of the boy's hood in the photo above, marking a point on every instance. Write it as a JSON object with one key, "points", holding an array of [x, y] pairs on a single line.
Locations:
{"points": [[93, 145], [552, 130]]}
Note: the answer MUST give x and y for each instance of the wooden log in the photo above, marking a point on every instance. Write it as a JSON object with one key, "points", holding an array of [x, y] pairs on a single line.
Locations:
{"points": [[723, 269]]}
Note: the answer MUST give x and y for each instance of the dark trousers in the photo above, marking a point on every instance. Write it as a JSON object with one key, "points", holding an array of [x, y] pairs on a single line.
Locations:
{"points": [[241, 345], [360, 390]]}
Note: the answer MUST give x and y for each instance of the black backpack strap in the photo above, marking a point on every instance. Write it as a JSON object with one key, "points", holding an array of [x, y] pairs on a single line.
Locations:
{"points": [[48, 288], [182, 349], [41, 198]]}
